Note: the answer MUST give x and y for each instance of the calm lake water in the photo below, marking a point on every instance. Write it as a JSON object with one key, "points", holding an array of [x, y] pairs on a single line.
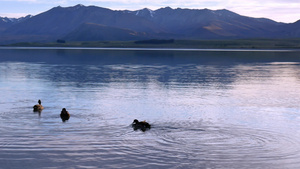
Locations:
{"points": [[208, 109]]}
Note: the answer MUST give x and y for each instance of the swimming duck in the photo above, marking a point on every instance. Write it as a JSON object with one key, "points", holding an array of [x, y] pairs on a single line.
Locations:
{"points": [[142, 125], [38, 107], [64, 115]]}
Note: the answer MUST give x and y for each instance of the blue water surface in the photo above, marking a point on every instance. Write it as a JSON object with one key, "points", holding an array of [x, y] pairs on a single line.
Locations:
{"points": [[208, 108]]}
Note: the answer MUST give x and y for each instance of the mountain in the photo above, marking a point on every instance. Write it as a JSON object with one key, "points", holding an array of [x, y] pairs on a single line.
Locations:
{"points": [[59, 21], [208, 23], [6, 22], [97, 32], [290, 30], [91, 23]]}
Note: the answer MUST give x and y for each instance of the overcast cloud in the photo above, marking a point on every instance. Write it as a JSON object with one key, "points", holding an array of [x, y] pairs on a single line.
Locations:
{"points": [[278, 10]]}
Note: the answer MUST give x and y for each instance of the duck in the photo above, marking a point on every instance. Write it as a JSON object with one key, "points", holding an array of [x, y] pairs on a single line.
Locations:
{"points": [[64, 115], [141, 125], [38, 107]]}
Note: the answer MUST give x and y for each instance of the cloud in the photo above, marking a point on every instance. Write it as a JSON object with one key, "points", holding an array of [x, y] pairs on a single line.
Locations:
{"points": [[37, 1], [13, 15], [18, 0], [279, 10]]}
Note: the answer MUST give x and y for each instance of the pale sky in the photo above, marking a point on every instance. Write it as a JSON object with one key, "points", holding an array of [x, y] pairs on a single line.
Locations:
{"points": [[287, 11]]}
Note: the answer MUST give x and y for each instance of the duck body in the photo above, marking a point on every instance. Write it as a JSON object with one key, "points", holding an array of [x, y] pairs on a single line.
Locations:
{"points": [[140, 125], [38, 107], [64, 115]]}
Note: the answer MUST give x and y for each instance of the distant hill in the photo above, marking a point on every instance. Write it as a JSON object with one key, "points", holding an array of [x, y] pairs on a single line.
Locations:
{"points": [[5, 22], [97, 32], [91, 23]]}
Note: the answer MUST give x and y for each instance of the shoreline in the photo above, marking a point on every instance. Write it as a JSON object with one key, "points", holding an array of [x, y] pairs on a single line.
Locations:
{"points": [[178, 45], [148, 49]]}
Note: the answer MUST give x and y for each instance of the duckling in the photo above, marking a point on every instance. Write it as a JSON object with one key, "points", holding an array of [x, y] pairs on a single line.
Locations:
{"points": [[38, 107], [142, 125], [64, 115]]}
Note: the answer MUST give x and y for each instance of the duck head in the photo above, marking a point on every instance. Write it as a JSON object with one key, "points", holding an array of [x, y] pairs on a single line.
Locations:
{"points": [[64, 110]]}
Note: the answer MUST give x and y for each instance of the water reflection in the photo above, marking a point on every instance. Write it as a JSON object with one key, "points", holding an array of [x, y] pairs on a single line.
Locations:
{"points": [[92, 66]]}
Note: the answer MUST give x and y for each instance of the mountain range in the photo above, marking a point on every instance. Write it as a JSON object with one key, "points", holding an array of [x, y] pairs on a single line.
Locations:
{"points": [[92, 23]]}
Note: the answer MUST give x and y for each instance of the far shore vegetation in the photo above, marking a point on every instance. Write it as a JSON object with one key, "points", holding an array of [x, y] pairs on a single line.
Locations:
{"points": [[171, 43]]}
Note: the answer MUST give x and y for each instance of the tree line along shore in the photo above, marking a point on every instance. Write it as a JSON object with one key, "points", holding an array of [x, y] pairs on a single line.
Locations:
{"points": [[171, 43]]}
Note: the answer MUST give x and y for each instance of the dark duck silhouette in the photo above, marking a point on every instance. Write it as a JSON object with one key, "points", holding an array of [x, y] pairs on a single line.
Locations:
{"points": [[64, 115], [38, 107], [140, 125]]}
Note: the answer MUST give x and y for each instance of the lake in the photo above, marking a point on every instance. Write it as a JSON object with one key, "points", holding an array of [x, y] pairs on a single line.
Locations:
{"points": [[207, 108]]}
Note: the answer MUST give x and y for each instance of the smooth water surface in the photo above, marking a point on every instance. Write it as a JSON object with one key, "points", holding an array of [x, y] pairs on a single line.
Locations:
{"points": [[208, 109]]}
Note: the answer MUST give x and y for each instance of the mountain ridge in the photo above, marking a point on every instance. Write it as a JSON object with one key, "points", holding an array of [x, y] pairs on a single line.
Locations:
{"points": [[93, 23]]}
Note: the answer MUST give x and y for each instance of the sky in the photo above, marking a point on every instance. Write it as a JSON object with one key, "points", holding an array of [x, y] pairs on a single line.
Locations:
{"points": [[287, 11]]}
